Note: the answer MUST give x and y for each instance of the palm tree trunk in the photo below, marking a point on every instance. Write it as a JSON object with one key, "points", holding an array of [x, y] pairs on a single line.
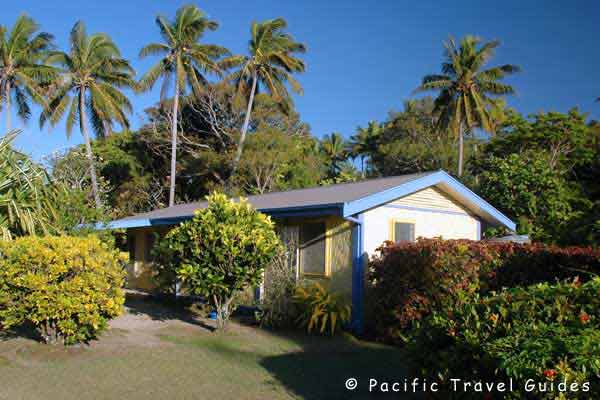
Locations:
{"points": [[362, 165], [460, 150], [238, 154], [7, 95], [174, 144], [88, 149]]}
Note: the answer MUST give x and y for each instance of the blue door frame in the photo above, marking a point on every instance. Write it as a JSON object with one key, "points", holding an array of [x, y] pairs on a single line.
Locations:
{"points": [[358, 264]]}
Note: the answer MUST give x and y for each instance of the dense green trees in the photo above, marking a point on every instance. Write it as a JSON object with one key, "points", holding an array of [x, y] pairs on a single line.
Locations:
{"points": [[543, 171], [241, 133]]}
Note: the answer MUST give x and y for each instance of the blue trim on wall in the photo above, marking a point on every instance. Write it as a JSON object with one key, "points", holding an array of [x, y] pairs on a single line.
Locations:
{"points": [[429, 210], [478, 230], [358, 284]]}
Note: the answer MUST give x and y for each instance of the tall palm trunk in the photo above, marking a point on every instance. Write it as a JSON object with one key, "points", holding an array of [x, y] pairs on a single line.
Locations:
{"points": [[88, 148], [174, 144], [7, 96], [460, 150], [362, 166], [238, 154]]}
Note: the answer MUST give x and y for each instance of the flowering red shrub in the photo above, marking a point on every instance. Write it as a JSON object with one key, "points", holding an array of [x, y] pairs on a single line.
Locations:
{"points": [[407, 281]]}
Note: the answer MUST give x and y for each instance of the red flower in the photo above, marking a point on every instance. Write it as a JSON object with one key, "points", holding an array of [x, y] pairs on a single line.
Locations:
{"points": [[550, 373], [584, 318]]}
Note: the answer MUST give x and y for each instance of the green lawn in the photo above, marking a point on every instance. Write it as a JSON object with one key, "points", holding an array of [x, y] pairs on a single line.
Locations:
{"points": [[154, 353]]}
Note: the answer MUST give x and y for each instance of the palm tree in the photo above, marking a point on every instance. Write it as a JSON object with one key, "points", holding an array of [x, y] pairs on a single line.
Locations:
{"points": [[91, 75], [333, 147], [22, 71], [464, 87], [270, 63], [26, 194], [364, 142], [184, 61]]}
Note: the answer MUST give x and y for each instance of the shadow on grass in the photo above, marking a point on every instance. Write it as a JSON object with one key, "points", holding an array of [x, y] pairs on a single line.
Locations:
{"points": [[320, 370], [310, 367], [162, 309], [26, 331]]}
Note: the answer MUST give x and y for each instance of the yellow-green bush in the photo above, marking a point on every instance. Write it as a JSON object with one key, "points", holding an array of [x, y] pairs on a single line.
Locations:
{"points": [[66, 287]]}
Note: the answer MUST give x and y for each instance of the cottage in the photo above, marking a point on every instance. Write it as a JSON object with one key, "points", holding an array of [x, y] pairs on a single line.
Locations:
{"points": [[331, 230]]}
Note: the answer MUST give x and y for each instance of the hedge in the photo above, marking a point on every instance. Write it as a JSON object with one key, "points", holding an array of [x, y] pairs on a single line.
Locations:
{"points": [[66, 287], [544, 337], [407, 281]]}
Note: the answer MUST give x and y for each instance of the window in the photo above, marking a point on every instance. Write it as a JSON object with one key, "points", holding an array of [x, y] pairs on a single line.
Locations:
{"points": [[313, 246], [131, 246], [402, 231]]}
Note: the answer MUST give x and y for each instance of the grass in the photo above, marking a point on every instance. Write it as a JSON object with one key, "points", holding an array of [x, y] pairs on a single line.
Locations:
{"points": [[180, 360]]}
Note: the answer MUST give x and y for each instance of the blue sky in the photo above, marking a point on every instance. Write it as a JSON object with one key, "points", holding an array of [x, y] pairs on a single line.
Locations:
{"points": [[364, 58]]}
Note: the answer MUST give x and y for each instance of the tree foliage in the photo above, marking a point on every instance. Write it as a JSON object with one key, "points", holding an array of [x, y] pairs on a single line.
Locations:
{"points": [[526, 188], [27, 200], [220, 252], [92, 74], [270, 63], [465, 88], [24, 75], [184, 62], [552, 186]]}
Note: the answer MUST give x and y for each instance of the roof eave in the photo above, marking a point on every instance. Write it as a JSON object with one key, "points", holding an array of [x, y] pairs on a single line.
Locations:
{"points": [[281, 212]]}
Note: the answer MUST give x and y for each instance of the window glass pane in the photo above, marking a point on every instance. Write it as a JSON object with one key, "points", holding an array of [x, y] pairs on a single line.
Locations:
{"points": [[131, 246], [404, 232], [289, 235], [312, 248]]}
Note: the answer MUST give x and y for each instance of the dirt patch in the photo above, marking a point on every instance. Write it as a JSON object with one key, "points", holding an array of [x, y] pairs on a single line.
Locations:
{"points": [[144, 323]]}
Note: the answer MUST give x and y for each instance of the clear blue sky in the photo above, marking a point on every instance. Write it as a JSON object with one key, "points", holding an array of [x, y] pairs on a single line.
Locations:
{"points": [[364, 58]]}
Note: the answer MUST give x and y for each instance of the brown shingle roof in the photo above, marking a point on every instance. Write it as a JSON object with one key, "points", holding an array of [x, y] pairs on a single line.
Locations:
{"points": [[298, 198]]}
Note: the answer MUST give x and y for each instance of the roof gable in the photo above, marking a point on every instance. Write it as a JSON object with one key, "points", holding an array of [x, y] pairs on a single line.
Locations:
{"points": [[444, 181]]}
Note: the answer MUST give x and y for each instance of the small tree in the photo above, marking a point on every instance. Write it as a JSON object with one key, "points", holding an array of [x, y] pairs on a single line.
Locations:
{"points": [[221, 251]]}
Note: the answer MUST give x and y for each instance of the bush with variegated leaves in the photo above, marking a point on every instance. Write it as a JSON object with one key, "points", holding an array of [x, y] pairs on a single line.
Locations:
{"points": [[68, 288]]}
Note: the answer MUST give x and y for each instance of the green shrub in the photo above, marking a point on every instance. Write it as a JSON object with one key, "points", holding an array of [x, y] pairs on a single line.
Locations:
{"points": [[220, 252], [523, 265], [321, 309], [67, 287], [407, 281], [546, 333]]}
